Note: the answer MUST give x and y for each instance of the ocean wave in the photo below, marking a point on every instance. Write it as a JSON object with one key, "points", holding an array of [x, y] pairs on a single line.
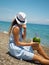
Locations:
{"points": [[5, 32]]}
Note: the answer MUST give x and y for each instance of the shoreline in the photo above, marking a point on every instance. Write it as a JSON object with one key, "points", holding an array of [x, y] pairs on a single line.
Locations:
{"points": [[5, 37]]}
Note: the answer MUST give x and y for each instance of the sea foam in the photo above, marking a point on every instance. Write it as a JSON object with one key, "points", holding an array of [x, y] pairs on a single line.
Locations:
{"points": [[5, 32]]}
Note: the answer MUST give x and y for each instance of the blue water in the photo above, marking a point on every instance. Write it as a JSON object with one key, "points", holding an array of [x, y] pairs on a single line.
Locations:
{"points": [[32, 30]]}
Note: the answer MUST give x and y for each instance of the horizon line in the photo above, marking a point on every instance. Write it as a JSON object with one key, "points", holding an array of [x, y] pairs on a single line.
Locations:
{"points": [[27, 22]]}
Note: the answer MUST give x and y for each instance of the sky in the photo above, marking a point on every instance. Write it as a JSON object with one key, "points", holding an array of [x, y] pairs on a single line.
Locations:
{"points": [[37, 11]]}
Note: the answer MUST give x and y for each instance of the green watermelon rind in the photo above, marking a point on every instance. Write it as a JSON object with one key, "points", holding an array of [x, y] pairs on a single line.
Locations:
{"points": [[36, 39]]}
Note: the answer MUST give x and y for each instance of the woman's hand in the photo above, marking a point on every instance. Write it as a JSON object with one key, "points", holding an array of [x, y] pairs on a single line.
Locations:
{"points": [[24, 26], [35, 44]]}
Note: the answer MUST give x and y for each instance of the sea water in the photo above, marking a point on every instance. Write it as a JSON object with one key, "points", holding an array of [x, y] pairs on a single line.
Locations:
{"points": [[32, 30]]}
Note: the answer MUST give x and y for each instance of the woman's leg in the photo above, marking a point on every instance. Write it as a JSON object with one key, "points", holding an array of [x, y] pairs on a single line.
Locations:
{"points": [[41, 51], [40, 59]]}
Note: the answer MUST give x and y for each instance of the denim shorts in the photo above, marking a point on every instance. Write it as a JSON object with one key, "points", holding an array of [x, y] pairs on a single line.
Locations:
{"points": [[25, 54]]}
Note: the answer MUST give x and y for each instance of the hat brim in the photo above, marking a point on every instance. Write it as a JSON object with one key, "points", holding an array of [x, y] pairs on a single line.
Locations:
{"points": [[20, 22]]}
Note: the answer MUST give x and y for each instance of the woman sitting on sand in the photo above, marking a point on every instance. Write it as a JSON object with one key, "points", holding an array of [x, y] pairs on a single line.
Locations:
{"points": [[20, 49]]}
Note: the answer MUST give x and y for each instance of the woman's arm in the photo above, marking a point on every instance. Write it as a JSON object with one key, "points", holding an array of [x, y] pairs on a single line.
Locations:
{"points": [[24, 32], [16, 38]]}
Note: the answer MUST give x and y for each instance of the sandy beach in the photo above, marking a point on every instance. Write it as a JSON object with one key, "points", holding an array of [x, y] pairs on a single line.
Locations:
{"points": [[6, 59]]}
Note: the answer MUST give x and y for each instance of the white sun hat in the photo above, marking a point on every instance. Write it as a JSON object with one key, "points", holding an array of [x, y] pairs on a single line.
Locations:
{"points": [[21, 18]]}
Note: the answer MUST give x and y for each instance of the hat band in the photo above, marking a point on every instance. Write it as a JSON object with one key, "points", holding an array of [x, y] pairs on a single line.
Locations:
{"points": [[20, 20]]}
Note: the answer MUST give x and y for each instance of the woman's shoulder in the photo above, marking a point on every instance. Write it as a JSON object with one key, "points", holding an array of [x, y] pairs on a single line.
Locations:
{"points": [[15, 29]]}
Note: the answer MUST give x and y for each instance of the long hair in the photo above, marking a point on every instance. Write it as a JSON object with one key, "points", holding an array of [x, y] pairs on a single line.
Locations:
{"points": [[13, 23]]}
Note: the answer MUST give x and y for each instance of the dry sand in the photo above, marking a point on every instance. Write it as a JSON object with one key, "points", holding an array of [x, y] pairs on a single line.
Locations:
{"points": [[6, 59]]}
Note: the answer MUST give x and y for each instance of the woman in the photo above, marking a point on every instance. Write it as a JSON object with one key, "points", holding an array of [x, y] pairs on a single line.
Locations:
{"points": [[20, 49]]}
